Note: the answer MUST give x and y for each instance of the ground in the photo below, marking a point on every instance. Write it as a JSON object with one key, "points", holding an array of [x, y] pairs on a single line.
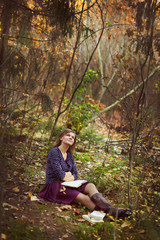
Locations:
{"points": [[23, 175], [23, 216]]}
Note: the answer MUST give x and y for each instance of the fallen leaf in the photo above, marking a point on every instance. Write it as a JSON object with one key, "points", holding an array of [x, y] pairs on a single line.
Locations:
{"points": [[65, 236], [77, 211], [34, 198], [30, 184], [66, 207], [58, 208], [9, 205], [16, 189], [15, 173], [81, 220], [23, 217], [30, 195], [29, 228], [3, 236], [31, 221], [66, 217], [141, 231], [125, 224]]}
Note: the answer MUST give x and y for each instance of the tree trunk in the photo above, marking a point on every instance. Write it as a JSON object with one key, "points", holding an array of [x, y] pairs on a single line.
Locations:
{"points": [[103, 89], [87, 31]]}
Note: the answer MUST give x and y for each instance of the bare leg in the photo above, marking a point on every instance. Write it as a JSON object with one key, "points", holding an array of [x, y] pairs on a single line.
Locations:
{"points": [[85, 200], [90, 189]]}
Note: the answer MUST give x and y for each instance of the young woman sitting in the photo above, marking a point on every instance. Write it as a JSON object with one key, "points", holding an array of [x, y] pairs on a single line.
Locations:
{"points": [[61, 167]]}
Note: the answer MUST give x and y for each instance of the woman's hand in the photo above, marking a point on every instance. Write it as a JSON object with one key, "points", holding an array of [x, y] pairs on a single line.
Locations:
{"points": [[68, 177], [68, 174]]}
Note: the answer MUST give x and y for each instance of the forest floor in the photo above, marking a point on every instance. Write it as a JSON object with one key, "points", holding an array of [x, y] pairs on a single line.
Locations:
{"points": [[26, 219]]}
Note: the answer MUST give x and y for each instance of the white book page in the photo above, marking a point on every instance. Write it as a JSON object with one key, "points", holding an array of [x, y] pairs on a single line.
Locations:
{"points": [[76, 183]]}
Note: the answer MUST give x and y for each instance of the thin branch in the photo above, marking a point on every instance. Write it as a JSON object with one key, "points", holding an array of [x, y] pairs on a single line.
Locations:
{"points": [[106, 28], [130, 92]]}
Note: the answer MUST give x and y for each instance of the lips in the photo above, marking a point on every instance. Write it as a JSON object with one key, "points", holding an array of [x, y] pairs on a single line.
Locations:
{"points": [[70, 140]]}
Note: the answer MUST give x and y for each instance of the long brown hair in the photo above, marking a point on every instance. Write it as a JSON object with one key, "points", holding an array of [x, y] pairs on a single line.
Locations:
{"points": [[64, 132]]}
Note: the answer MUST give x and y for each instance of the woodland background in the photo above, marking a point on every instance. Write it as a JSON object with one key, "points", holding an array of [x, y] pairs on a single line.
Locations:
{"points": [[92, 66]]}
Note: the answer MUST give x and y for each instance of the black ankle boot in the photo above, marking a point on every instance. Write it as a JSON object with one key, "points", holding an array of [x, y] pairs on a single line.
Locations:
{"points": [[103, 205]]}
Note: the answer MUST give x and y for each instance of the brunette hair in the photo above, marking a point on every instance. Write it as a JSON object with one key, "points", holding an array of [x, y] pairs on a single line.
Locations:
{"points": [[64, 132]]}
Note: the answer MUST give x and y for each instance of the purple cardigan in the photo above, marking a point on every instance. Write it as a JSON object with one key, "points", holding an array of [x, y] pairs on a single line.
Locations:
{"points": [[57, 166]]}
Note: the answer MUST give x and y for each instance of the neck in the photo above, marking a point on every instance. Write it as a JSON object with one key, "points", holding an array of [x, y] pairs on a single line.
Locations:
{"points": [[63, 148]]}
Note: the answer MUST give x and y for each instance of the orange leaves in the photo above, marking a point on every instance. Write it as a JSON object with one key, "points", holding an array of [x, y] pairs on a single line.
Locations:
{"points": [[3, 236], [30, 195], [30, 4]]}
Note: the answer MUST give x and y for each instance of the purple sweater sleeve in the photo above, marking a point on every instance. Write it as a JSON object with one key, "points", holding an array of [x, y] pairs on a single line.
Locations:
{"points": [[54, 169]]}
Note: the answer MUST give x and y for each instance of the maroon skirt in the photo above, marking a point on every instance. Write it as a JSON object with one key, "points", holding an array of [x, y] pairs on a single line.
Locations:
{"points": [[56, 192]]}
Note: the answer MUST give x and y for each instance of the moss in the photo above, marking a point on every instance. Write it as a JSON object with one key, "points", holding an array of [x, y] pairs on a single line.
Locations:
{"points": [[21, 230]]}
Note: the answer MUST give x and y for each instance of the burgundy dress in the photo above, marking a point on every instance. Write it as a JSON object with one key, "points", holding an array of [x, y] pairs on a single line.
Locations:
{"points": [[53, 190]]}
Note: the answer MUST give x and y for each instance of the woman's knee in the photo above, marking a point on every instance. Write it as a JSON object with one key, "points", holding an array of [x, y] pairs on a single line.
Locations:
{"points": [[91, 185], [90, 189]]}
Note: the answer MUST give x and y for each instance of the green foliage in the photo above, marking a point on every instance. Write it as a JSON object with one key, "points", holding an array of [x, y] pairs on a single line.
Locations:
{"points": [[83, 108], [58, 130], [89, 232], [147, 227], [45, 124], [103, 179], [29, 119], [90, 137], [30, 173], [84, 157]]}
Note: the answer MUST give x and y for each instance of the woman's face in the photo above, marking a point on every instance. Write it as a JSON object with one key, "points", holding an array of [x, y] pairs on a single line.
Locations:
{"points": [[68, 138]]}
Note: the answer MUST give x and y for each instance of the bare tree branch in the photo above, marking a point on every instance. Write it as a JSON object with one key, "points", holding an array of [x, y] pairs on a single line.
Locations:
{"points": [[130, 92]]}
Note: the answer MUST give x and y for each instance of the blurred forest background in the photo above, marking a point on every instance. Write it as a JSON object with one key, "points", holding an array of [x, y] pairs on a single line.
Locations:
{"points": [[77, 64], [76, 61]]}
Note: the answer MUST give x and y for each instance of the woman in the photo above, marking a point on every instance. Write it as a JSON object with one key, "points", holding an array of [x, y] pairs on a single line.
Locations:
{"points": [[60, 168]]}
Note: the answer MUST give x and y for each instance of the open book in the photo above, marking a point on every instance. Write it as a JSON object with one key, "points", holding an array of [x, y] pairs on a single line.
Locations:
{"points": [[74, 184], [95, 216]]}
